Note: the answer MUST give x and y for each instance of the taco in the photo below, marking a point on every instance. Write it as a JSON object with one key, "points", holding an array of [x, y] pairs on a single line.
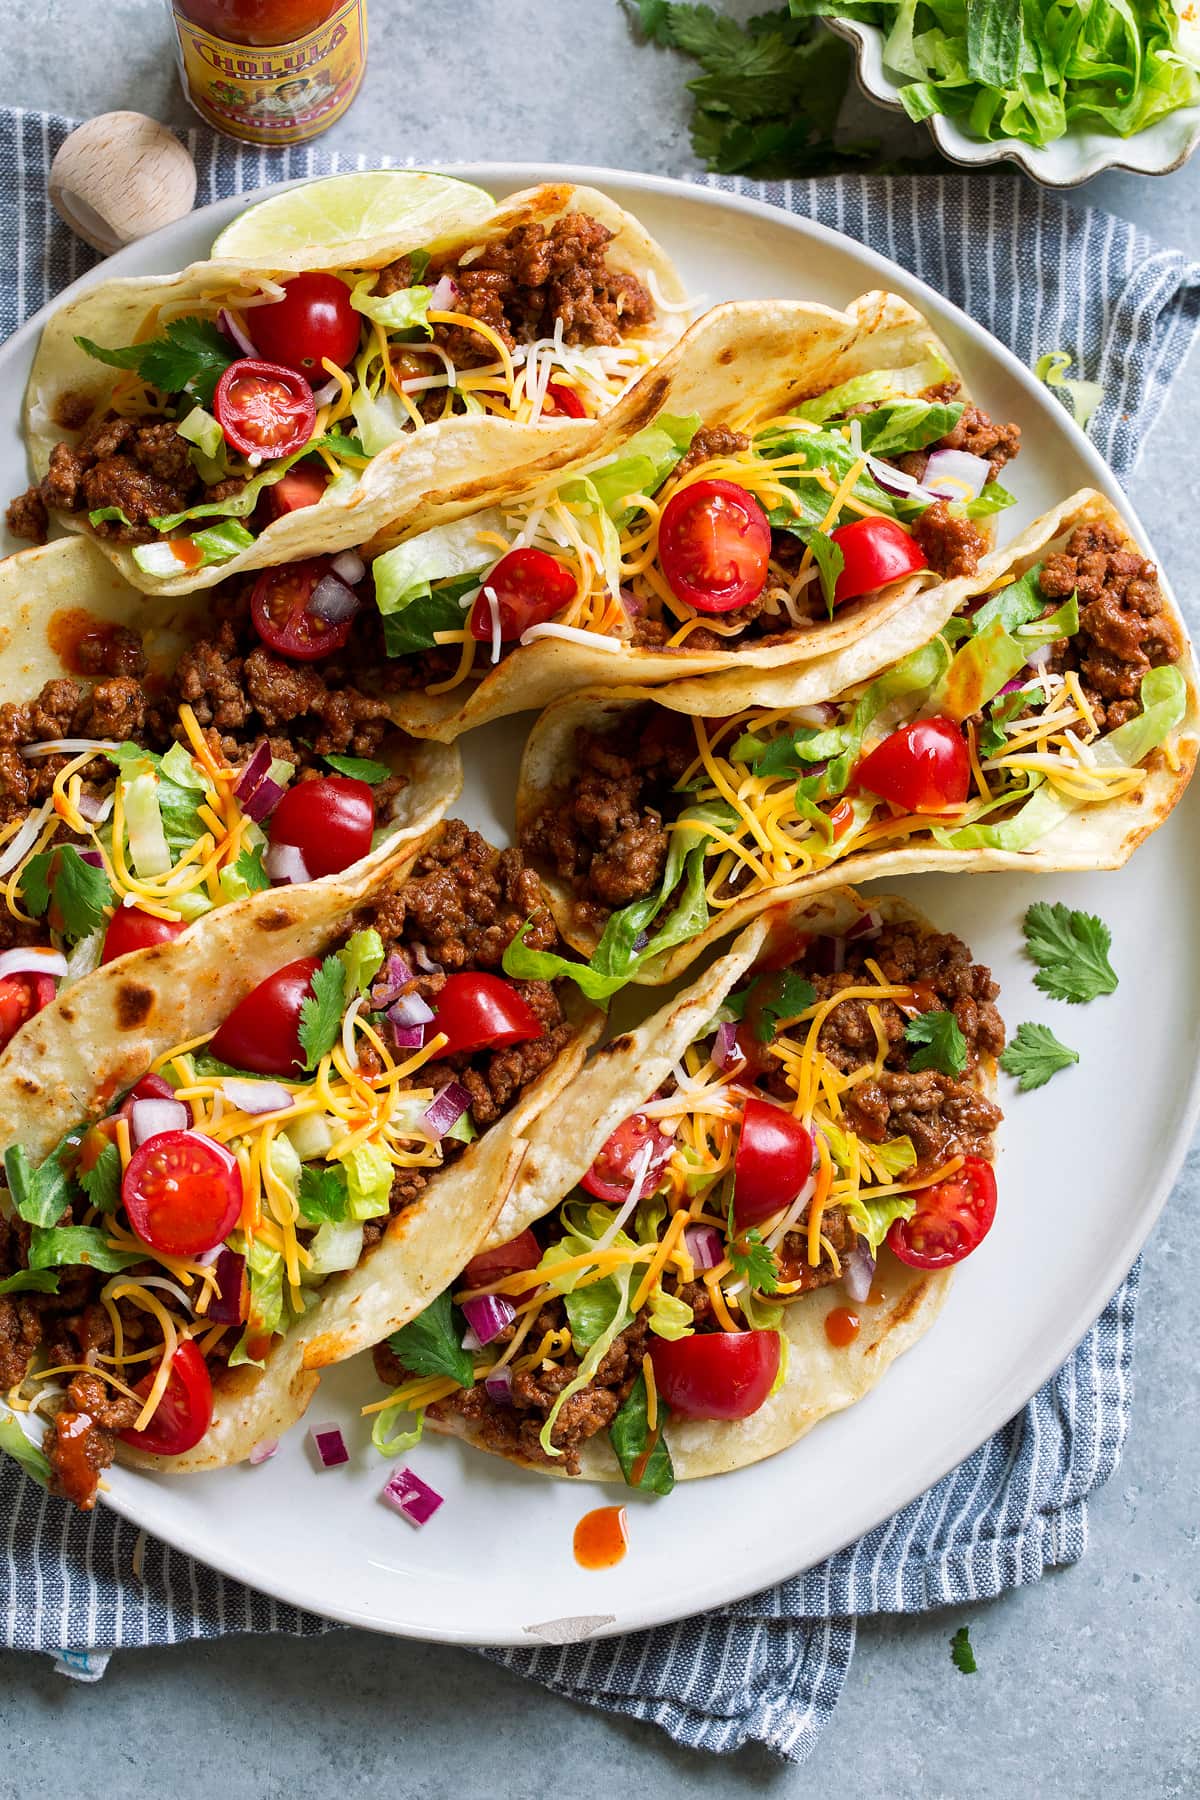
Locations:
{"points": [[788, 478], [1049, 721], [736, 1217], [260, 415], [235, 1161], [158, 762]]}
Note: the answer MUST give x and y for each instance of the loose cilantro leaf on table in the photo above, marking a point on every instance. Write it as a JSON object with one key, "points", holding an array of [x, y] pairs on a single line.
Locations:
{"points": [[431, 1344], [321, 1011], [943, 1046], [192, 355], [1071, 951], [961, 1653], [1034, 1055]]}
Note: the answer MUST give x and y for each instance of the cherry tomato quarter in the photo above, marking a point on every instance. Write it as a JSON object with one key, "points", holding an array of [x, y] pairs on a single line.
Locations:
{"points": [[874, 552], [611, 1174], [21, 996], [264, 409], [924, 767], [132, 929], [714, 544], [530, 586], [302, 486], [563, 399], [262, 1033], [184, 1413], [519, 1253], [716, 1374], [182, 1192], [774, 1160], [482, 1012], [330, 821], [313, 320], [952, 1218], [280, 608]]}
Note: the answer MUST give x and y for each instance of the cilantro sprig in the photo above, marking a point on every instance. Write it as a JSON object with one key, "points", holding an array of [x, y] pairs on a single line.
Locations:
{"points": [[942, 1045], [77, 892], [321, 1011], [1034, 1055], [192, 355], [1071, 951]]}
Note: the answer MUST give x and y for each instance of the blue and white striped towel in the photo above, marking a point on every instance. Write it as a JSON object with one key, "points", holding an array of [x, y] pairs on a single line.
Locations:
{"points": [[769, 1669]]}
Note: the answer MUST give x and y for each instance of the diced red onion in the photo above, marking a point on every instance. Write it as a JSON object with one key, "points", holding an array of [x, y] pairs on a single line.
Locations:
{"points": [[349, 567], [331, 601], [256, 1096], [285, 862], [413, 1498], [444, 295], [254, 771], [634, 607], [445, 1109], [487, 1316], [956, 474], [725, 1048], [329, 1444], [1037, 659], [92, 857], [704, 1245], [498, 1386], [94, 809], [231, 1302], [263, 801], [394, 978], [408, 1037], [640, 941], [858, 1271], [263, 1452], [31, 961], [410, 1009], [823, 713], [424, 961], [227, 324], [326, 395], [895, 481], [870, 925], [148, 1117]]}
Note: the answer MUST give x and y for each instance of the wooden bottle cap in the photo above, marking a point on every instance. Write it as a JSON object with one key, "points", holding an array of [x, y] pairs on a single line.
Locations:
{"points": [[120, 176]]}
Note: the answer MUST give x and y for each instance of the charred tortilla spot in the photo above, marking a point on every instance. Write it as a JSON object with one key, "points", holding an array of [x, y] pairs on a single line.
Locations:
{"points": [[277, 918], [72, 410], [727, 355], [134, 1005], [67, 1015], [616, 1046], [28, 1085]]}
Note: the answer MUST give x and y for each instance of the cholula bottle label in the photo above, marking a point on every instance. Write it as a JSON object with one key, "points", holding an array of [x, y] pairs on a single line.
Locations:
{"points": [[275, 94]]}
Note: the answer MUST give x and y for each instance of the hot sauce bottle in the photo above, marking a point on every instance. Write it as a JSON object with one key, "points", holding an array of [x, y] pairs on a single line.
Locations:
{"points": [[271, 71]]}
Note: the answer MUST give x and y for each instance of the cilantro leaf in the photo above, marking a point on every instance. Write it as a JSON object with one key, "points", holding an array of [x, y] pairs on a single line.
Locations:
{"points": [[1071, 951], [359, 768], [192, 355], [629, 1435], [1002, 712], [754, 1261], [944, 1047], [653, 20], [30, 1281], [789, 994], [249, 869], [431, 1344], [78, 892], [102, 1182], [961, 1653], [321, 1011], [42, 1195], [324, 1197], [1034, 1055]]}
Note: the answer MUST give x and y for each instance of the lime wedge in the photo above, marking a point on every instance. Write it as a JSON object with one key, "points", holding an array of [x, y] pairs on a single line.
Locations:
{"points": [[350, 219]]}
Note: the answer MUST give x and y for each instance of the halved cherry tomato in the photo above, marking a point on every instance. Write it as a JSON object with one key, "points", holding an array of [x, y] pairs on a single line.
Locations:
{"points": [[313, 320], [182, 1192], [263, 408], [330, 821], [921, 768], [20, 997], [951, 1220], [611, 1175], [184, 1413], [874, 552], [714, 543], [530, 587], [302, 486], [279, 608], [482, 1012], [563, 399], [132, 929], [716, 1374], [519, 1253], [774, 1160], [262, 1033]]}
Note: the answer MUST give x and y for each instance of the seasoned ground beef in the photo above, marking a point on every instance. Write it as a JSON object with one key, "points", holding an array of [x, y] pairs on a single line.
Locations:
{"points": [[792, 1257], [143, 469], [710, 441], [523, 283], [113, 708], [1124, 629], [604, 832], [26, 516], [953, 546]]}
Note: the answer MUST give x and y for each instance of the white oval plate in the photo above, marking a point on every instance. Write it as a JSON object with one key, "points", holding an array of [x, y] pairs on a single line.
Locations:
{"points": [[1086, 1163]]}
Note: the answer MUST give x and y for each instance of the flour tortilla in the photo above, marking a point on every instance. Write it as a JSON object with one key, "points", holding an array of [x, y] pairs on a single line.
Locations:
{"points": [[626, 1072], [461, 457], [771, 354], [77, 1055], [1093, 837]]}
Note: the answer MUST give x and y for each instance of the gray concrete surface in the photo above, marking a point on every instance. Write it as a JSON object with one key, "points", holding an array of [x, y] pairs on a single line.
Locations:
{"points": [[1087, 1680]]}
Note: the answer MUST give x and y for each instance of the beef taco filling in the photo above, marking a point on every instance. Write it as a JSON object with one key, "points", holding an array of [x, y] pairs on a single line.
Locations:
{"points": [[1047, 695], [699, 537], [134, 804], [192, 1225], [257, 397], [834, 1106]]}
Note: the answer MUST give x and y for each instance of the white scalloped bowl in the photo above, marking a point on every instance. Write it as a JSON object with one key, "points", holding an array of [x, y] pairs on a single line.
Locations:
{"points": [[1074, 158]]}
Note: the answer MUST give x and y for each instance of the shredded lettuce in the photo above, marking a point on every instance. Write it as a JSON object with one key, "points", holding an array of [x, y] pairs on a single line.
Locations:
{"points": [[264, 1269], [875, 386], [362, 958], [143, 821], [13, 1440], [404, 310], [670, 1317], [337, 1244], [407, 573], [201, 429], [881, 1215], [400, 1441], [1085, 396], [644, 463], [369, 1181], [216, 544]]}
